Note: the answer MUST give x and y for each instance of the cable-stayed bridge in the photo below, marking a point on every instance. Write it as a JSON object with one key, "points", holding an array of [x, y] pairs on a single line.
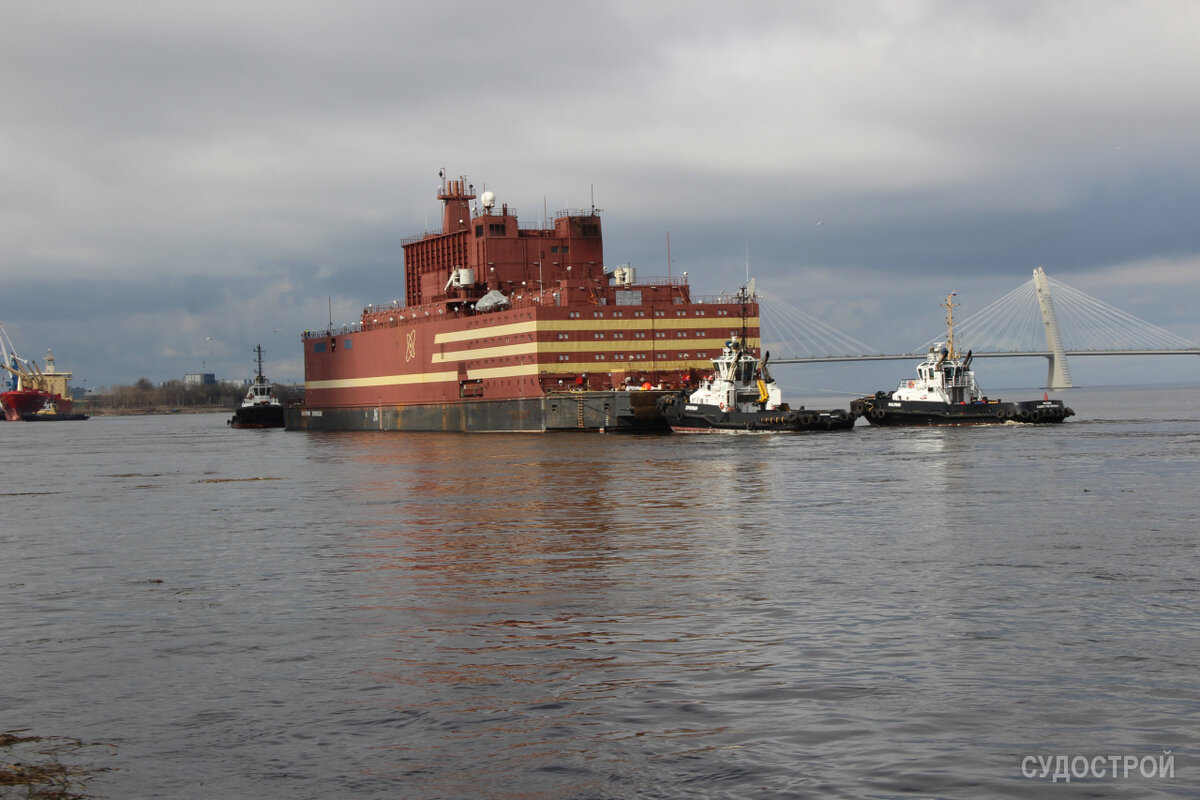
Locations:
{"points": [[1041, 317]]}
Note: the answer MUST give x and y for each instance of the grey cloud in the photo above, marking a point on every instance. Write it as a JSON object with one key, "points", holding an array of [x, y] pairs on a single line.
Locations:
{"points": [[187, 159]]}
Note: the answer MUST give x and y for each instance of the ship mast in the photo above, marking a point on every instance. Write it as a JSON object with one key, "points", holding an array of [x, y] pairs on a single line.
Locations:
{"points": [[747, 294], [950, 306], [742, 297], [258, 358]]}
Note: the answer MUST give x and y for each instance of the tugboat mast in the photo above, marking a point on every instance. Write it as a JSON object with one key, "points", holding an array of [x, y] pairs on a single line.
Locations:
{"points": [[258, 359], [950, 306], [743, 331], [746, 294]]}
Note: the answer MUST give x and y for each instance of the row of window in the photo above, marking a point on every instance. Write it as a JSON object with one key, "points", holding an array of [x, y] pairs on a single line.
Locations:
{"points": [[501, 362], [642, 335], [497, 340], [721, 312], [629, 356]]}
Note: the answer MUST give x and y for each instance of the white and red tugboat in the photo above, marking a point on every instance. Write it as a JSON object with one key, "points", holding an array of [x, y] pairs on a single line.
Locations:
{"points": [[945, 393]]}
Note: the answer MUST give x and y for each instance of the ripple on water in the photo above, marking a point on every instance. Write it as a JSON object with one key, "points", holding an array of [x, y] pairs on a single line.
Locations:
{"points": [[876, 614]]}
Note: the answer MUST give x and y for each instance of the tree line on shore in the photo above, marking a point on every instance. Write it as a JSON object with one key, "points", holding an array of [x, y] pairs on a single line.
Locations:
{"points": [[175, 394]]}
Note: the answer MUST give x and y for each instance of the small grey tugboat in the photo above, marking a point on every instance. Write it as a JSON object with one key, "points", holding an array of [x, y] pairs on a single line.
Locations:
{"points": [[260, 408], [945, 393], [741, 395]]}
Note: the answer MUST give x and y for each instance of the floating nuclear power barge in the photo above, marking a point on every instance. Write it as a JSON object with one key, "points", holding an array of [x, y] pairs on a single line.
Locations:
{"points": [[512, 327]]}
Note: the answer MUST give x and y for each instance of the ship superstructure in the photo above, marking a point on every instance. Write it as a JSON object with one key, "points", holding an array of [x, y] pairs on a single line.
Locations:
{"points": [[511, 326]]}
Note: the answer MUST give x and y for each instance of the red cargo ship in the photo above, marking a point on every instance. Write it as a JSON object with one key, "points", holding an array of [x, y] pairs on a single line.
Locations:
{"points": [[32, 393], [508, 327]]}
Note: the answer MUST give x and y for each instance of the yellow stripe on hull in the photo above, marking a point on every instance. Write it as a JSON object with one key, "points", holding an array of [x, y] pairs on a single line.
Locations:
{"points": [[596, 346], [485, 333], [607, 324], [382, 380]]}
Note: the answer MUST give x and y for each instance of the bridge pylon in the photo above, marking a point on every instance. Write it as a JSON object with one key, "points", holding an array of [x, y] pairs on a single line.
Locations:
{"points": [[1059, 374]]}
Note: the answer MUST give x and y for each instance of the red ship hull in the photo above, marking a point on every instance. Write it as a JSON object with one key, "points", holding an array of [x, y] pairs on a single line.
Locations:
{"points": [[531, 368], [20, 402]]}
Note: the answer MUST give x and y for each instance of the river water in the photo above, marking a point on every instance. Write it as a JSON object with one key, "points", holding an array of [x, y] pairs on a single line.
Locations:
{"points": [[877, 613]]}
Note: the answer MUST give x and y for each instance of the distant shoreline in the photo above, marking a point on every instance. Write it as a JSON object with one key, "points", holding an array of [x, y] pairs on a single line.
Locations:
{"points": [[151, 410]]}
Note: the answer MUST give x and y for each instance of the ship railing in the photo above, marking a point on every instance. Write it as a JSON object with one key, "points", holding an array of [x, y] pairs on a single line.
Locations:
{"points": [[383, 308], [416, 237], [659, 281], [724, 298], [336, 330]]}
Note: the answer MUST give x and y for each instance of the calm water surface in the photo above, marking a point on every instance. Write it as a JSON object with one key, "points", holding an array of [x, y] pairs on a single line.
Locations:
{"points": [[875, 613]]}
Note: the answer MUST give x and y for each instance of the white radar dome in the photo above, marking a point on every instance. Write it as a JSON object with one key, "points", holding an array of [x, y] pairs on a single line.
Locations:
{"points": [[489, 199]]}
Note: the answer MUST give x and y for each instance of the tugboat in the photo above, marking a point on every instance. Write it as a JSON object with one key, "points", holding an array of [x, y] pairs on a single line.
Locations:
{"points": [[945, 393], [50, 412], [260, 408], [741, 395]]}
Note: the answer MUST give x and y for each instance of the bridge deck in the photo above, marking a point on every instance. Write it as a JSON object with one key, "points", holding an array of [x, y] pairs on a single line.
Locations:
{"points": [[1041, 354]]}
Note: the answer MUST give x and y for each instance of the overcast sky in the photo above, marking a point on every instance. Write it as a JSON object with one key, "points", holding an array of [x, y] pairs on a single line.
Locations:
{"points": [[182, 181]]}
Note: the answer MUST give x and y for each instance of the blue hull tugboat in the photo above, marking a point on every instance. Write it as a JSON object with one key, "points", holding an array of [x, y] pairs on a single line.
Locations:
{"points": [[945, 393], [741, 395]]}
